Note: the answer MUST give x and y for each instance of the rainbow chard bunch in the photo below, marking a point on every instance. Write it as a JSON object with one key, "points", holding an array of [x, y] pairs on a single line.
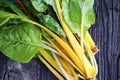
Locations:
{"points": [[55, 31]]}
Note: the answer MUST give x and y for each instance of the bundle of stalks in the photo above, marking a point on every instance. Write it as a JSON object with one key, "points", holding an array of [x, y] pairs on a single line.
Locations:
{"points": [[67, 52]]}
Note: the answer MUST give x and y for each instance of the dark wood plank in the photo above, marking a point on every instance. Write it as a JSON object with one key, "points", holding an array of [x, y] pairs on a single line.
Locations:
{"points": [[34, 70], [102, 33], [3, 61], [107, 37], [116, 39], [118, 68], [105, 32]]}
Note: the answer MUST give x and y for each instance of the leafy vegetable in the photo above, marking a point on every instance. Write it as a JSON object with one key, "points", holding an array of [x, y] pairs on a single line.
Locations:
{"points": [[19, 40], [75, 11], [39, 5], [52, 24], [56, 29]]}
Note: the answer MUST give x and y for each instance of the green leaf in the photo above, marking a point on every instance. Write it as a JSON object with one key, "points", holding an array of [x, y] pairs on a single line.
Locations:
{"points": [[52, 3], [4, 3], [48, 18], [78, 13], [4, 16], [30, 8], [10, 5], [51, 24], [17, 11], [39, 5], [20, 42], [19, 39]]}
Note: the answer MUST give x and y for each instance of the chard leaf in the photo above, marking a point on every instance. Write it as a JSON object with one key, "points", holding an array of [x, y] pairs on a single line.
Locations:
{"points": [[3, 17], [39, 5], [78, 13], [30, 7], [52, 24], [17, 11], [11, 5], [19, 39], [20, 42], [52, 3], [48, 18]]}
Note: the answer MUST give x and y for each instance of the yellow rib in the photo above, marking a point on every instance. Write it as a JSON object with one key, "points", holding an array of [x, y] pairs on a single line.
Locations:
{"points": [[69, 68], [46, 55], [51, 69], [74, 43], [65, 57], [73, 71], [91, 43], [85, 65], [66, 67], [76, 59], [63, 44]]}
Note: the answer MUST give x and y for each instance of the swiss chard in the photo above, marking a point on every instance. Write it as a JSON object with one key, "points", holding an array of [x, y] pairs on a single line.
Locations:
{"points": [[39, 5], [66, 23], [19, 39]]}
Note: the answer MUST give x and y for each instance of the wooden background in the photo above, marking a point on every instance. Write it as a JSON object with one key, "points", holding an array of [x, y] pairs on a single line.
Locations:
{"points": [[105, 32]]}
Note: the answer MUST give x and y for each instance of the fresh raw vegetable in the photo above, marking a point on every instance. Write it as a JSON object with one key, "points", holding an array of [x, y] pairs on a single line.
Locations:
{"points": [[56, 31]]}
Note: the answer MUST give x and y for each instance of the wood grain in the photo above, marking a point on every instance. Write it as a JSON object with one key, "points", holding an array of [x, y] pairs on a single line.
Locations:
{"points": [[105, 32]]}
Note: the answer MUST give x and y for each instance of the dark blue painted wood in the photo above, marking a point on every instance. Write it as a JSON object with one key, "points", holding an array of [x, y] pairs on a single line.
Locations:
{"points": [[106, 33], [3, 61]]}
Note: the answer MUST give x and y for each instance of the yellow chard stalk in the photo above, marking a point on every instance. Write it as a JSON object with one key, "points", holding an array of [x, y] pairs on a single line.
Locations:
{"points": [[74, 51], [88, 69]]}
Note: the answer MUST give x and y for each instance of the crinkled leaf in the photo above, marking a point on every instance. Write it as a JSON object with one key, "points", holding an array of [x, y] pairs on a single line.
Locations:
{"points": [[19, 40], [39, 5], [28, 5], [17, 11], [11, 5], [4, 17], [48, 20], [75, 12], [52, 3], [51, 24]]}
